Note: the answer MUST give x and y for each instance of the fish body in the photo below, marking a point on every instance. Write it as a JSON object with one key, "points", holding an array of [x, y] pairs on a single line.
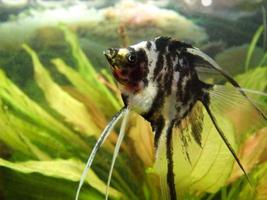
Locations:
{"points": [[166, 87], [160, 80]]}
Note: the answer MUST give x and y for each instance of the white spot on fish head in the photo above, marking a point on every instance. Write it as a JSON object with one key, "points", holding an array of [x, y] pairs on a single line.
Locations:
{"points": [[140, 45]]}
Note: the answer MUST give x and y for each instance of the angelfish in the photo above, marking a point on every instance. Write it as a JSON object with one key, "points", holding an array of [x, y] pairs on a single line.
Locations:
{"points": [[160, 80]]}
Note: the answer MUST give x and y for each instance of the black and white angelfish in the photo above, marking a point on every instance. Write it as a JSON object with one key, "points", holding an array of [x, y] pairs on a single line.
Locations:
{"points": [[160, 80]]}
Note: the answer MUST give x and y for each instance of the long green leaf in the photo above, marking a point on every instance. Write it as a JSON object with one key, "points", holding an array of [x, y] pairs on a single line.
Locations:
{"points": [[65, 169], [263, 60], [32, 112], [35, 186], [8, 135], [37, 142], [254, 79], [74, 77], [252, 46], [82, 85], [73, 110], [88, 72]]}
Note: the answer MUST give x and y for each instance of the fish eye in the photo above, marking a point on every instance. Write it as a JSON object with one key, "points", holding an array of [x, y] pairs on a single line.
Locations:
{"points": [[131, 57]]}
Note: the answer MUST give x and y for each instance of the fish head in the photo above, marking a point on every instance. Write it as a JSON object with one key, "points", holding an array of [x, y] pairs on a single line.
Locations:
{"points": [[128, 66], [135, 69]]}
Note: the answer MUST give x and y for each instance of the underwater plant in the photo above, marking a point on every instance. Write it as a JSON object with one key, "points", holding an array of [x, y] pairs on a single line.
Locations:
{"points": [[44, 145]]}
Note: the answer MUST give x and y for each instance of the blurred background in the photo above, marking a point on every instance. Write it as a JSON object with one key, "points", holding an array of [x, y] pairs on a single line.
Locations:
{"points": [[57, 94]]}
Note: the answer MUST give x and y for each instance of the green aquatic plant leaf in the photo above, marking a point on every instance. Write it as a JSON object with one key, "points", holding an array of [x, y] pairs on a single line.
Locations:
{"points": [[65, 169], [88, 72], [37, 142], [83, 64], [39, 187], [233, 59], [82, 85], [252, 46], [29, 110], [263, 61], [9, 136], [254, 79], [252, 152], [74, 111], [74, 77], [259, 176]]}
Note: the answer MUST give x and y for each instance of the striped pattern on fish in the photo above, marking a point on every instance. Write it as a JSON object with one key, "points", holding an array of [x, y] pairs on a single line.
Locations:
{"points": [[167, 91], [159, 79]]}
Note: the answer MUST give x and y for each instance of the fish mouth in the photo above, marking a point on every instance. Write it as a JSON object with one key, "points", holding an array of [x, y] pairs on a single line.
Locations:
{"points": [[110, 55]]}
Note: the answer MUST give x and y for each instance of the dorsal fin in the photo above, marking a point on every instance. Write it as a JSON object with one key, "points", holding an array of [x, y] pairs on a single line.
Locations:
{"points": [[201, 59]]}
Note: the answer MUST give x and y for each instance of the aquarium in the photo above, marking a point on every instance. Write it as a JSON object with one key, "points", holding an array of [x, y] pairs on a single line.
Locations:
{"points": [[170, 96]]}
